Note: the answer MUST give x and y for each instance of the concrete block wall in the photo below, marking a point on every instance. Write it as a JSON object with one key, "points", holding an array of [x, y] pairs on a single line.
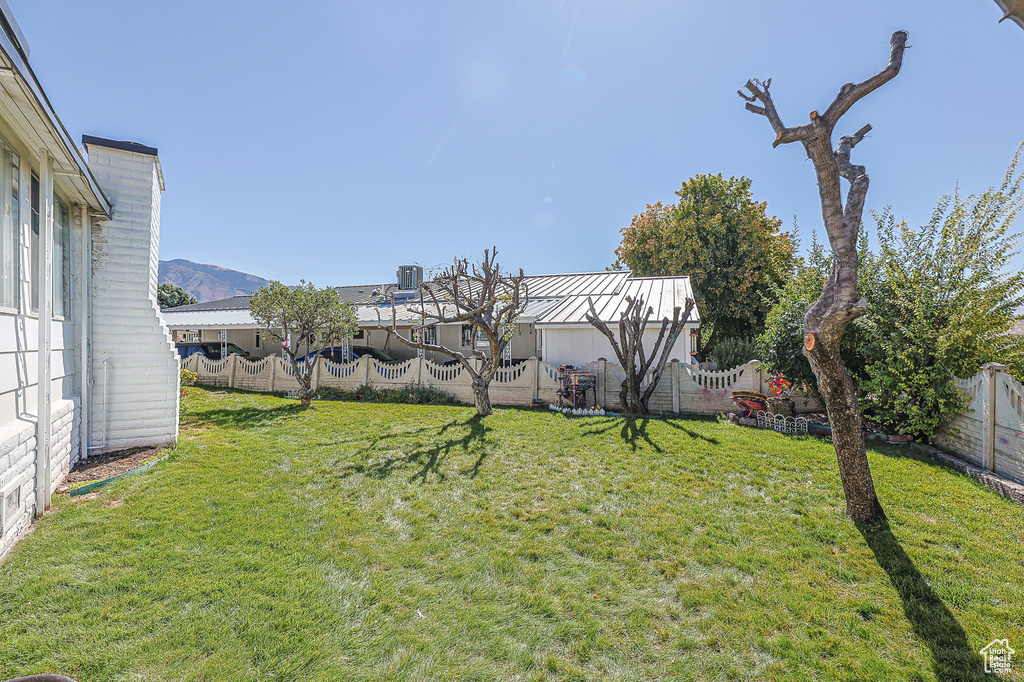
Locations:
{"points": [[134, 367]]}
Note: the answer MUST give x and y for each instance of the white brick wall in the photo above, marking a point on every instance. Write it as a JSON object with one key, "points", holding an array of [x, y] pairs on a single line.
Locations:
{"points": [[18, 466], [135, 372]]}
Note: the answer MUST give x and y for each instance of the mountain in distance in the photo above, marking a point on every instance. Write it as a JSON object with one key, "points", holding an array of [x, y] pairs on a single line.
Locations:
{"points": [[208, 282]]}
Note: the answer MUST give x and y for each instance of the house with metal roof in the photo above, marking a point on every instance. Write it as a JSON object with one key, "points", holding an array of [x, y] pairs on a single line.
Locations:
{"points": [[553, 327], [86, 363]]}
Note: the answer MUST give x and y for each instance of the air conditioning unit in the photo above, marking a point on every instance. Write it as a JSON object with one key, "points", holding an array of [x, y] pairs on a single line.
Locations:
{"points": [[409, 277]]}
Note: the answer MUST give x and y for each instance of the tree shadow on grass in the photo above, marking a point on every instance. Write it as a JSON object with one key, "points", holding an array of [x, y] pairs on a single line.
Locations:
{"points": [[428, 459], [634, 431], [952, 656], [244, 417], [693, 434]]}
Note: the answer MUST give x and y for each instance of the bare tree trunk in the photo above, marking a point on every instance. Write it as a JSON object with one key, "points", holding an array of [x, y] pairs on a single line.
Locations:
{"points": [[481, 397], [837, 390], [840, 302]]}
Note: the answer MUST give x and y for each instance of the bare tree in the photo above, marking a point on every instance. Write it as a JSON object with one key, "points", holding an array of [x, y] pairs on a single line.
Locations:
{"points": [[629, 349], [478, 294], [840, 303]]}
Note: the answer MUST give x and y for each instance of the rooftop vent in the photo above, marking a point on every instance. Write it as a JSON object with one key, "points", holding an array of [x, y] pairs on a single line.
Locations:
{"points": [[409, 277]]}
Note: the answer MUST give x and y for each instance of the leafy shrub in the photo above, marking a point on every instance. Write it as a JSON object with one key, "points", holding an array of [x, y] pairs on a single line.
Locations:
{"points": [[942, 301], [408, 394], [729, 353], [188, 377]]}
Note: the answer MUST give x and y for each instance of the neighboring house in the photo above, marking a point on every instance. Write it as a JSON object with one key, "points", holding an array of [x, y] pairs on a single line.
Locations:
{"points": [[553, 327], [86, 363]]}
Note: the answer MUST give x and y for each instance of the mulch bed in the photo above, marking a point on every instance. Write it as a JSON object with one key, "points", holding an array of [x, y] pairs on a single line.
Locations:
{"points": [[100, 467]]}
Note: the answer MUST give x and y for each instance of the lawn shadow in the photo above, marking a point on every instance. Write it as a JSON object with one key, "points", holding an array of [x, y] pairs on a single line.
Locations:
{"points": [[428, 459], [634, 430], [693, 434], [952, 656], [245, 417]]}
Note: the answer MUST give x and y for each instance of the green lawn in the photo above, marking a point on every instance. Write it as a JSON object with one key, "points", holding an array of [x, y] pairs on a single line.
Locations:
{"points": [[359, 541]]}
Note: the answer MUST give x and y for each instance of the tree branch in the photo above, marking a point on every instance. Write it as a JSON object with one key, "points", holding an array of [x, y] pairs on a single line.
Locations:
{"points": [[850, 93], [759, 92], [858, 179]]}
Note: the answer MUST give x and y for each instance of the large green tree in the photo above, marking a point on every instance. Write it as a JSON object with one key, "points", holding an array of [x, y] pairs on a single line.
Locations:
{"points": [[303, 314], [170, 296], [732, 250]]}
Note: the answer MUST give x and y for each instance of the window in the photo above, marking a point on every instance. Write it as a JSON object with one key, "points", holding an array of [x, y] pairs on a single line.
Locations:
{"points": [[467, 335], [10, 176], [61, 259], [33, 243], [481, 338], [258, 340], [425, 335]]}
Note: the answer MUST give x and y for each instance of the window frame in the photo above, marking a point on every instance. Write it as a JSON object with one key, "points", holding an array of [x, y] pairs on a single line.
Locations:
{"points": [[34, 240], [10, 227], [62, 232]]}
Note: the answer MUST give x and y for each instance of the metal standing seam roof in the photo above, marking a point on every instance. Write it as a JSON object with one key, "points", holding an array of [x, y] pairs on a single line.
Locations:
{"points": [[553, 299], [663, 294]]}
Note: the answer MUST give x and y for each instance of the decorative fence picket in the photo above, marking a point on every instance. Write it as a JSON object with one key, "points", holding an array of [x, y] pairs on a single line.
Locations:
{"points": [[682, 389]]}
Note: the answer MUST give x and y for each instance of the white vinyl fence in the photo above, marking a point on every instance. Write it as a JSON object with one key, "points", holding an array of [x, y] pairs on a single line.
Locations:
{"points": [[684, 389], [990, 434]]}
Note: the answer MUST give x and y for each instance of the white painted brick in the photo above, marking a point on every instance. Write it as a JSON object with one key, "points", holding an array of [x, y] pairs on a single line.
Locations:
{"points": [[142, 366]]}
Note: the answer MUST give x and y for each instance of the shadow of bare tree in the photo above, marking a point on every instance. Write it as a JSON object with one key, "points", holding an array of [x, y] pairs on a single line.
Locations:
{"points": [[243, 417], [952, 656], [634, 430], [467, 436]]}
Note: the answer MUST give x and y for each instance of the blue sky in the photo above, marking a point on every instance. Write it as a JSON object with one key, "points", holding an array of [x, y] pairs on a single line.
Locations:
{"points": [[333, 141]]}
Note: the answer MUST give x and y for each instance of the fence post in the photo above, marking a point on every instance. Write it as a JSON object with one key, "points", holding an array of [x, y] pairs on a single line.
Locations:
{"points": [[756, 380], [234, 366], [366, 369], [674, 372], [535, 373], [273, 371], [988, 441]]}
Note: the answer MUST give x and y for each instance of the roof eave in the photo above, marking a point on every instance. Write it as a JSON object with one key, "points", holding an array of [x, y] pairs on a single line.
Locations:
{"points": [[12, 46]]}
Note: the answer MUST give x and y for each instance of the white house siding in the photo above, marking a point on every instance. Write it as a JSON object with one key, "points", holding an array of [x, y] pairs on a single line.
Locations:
{"points": [[19, 375], [580, 345], [135, 369]]}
